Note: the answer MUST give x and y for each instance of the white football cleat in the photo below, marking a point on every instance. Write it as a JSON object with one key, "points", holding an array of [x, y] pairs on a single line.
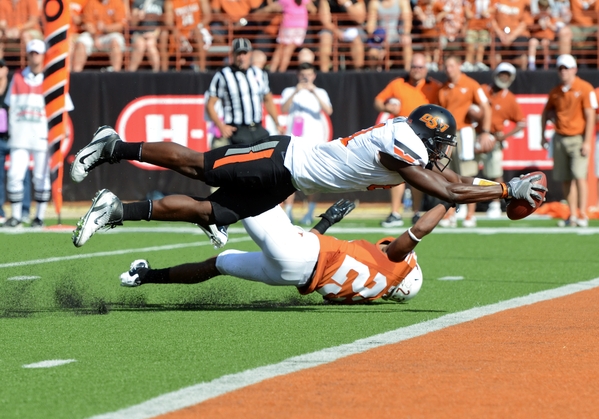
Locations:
{"points": [[218, 235], [106, 211], [131, 277], [95, 153]]}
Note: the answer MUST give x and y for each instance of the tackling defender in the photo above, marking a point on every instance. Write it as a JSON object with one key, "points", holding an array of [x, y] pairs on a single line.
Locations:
{"points": [[253, 179], [346, 272]]}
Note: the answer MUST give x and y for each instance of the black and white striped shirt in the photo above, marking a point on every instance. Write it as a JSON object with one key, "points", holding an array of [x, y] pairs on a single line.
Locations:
{"points": [[241, 93]]}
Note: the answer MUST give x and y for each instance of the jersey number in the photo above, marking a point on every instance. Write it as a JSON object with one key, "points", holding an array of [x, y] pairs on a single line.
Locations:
{"points": [[363, 284]]}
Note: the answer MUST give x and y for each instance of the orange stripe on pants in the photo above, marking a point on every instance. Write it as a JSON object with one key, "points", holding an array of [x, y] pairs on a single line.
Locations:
{"points": [[240, 158]]}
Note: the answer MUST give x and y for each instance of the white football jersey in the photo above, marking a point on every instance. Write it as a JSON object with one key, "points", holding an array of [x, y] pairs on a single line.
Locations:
{"points": [[353, 163]]}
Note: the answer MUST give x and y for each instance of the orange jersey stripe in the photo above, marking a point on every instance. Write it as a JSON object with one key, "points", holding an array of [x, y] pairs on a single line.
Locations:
{"points": [[240, 158], [346, 140], [403, 155]]}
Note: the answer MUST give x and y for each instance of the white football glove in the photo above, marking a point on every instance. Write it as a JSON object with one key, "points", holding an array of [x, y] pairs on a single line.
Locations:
{"points": [[525, 189]]}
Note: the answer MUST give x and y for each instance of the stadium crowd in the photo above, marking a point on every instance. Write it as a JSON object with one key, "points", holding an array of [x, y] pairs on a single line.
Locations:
{"points": [[162, 35]]}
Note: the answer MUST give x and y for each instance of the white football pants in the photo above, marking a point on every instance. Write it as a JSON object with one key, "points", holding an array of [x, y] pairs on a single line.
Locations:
{"points": [[19, 161], [288, 257]]}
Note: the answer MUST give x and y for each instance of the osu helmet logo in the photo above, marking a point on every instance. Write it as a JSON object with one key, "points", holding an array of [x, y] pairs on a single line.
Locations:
{"points": [[434, 122]]}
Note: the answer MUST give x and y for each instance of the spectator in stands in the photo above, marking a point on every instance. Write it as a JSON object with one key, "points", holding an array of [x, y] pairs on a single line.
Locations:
{"points": [[457, 95], [451, 21], [103, 23], [505, 109], [343, 30], [426, 12], [240, 88], [237, 12], [510, 22], [304, 105], [189, 21], [478, 36], [147, 17], [584, 22], [292, 30], [400, 98], [76, 28], [389, 21], [543, 32], [305, 55], [561, 13], [572, 105], [259, 59], [19, 22]]}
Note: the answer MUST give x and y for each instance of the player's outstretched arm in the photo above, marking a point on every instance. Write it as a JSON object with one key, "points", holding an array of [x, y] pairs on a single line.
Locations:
{"points": [[437, 185], [399, 248], [333, 215]]}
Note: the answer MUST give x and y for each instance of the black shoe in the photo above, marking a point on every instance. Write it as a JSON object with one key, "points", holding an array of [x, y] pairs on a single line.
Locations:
{"points": [[415, 218], [37, 223], [392, 221], [12, 222]]}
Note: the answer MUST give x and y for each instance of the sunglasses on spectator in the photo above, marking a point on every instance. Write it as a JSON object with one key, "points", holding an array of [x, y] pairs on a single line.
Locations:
{"points": [[561, 67], [418, 67]]}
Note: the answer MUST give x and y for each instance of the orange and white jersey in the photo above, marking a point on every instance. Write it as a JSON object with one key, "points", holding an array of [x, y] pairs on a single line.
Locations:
{"points": [[188, 15], [356, 271], [353, 163]]}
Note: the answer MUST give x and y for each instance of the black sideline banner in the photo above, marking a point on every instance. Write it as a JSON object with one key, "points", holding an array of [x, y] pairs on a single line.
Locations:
{"points": [[169, 106]]}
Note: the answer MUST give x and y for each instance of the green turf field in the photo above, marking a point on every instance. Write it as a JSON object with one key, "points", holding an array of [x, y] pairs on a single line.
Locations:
{"points": [[130, 345]]}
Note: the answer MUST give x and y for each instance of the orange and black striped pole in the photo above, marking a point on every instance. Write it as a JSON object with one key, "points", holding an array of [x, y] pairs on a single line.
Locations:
{"points": [[57, 19]]}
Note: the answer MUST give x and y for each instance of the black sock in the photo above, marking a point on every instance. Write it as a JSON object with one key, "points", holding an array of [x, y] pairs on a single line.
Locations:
{"points": [[154, 276], [137, 211], [127, 151]]}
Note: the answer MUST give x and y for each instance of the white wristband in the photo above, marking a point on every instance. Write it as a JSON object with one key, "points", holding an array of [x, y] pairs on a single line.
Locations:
{"points": [[412, 236]]}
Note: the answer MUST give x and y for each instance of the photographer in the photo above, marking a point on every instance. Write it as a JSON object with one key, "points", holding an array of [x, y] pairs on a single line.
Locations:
{"points": [[304, 105]]}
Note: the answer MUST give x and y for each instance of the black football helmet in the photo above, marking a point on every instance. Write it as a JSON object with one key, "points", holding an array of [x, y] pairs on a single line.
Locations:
{"points": [[436, 127]]}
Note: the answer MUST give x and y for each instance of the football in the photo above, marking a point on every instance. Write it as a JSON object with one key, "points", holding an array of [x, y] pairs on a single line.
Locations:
{"points": [[518, 209]]}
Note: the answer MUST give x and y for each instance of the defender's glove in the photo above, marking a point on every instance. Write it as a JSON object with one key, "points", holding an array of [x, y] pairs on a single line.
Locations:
{"points": [[334, 214], [338, 210], [525, 189]]}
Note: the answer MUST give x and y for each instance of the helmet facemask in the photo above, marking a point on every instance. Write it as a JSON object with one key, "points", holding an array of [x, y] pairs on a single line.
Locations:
{"points": [[439, 148], [407, 288]]}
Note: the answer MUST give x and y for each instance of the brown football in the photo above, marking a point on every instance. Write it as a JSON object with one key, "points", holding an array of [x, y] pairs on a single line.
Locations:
{"points": [[518, 209]]}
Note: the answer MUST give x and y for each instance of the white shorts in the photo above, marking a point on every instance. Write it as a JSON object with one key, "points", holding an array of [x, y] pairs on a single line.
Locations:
{"points": [[288, 36], [88, 41], [288, 257]]}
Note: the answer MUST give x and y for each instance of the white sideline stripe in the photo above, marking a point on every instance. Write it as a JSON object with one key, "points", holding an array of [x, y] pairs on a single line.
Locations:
{"points": [[50, 363], [115, 252], [23, 278], [451, 278], [198, 393]]}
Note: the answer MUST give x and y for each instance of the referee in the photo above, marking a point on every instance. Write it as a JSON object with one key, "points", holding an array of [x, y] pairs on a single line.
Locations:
{"points": [[242, 90]]}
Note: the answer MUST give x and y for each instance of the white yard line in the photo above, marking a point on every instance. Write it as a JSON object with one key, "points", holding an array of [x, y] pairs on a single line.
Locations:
{"points": [[115, 253], [198, 393], [50, 363]]}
